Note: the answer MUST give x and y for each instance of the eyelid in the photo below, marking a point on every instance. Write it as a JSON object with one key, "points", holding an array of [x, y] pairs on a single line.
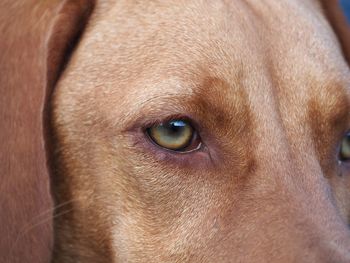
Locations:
{"points": [[196, 159], [181, 117], [200, 145], [155, 111], [201, 157], [144, 122]]}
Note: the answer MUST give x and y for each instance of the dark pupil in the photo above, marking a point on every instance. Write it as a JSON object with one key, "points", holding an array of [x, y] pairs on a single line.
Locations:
{"points": [[174, 128], [347, 138]]}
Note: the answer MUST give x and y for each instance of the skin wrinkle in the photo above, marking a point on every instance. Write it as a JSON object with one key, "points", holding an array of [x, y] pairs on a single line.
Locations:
{"points": [[285, 94], [266, 83], [328, 115], [260, 96]]}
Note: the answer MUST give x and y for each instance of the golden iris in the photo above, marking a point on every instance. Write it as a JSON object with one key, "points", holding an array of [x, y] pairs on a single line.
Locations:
{"points": [[345, 148], [174, 135]]}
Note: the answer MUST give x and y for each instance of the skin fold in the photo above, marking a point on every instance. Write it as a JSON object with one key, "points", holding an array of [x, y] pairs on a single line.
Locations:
{"points": [[266, 85]]}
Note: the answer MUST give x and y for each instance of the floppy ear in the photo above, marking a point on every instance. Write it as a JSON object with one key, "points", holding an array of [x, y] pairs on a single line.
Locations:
{"points": [[36, 39], [334, 10]]}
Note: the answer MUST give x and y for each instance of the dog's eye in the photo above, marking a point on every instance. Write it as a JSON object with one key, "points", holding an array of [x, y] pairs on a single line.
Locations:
{"points": [[345, 148], [176, 135]]}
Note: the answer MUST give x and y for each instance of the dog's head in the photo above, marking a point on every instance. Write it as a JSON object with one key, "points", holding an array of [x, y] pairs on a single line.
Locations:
{"points": [[199, 131]]}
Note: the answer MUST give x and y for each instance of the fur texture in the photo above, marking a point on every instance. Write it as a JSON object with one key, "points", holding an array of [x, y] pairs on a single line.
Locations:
{"points": [[266, 83]]}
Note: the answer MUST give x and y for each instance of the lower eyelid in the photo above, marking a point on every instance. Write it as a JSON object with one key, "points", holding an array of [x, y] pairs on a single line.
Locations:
{"points": [[192, 159]]}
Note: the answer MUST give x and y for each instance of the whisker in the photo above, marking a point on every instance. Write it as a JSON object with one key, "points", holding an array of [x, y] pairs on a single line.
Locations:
{"points": [[30, 227], [43, 213]]}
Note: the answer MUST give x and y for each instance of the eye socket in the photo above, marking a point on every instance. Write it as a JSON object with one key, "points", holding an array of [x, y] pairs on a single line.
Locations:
{"points": [[176, 135], [344, 154]]}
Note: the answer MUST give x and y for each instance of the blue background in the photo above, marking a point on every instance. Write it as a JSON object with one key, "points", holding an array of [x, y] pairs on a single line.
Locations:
{"points": [[346, 7]]}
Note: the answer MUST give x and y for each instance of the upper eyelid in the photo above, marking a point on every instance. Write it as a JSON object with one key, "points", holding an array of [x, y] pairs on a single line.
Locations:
{"points": [[184, 117], [167, 119], [154, 104], [153, 110], [192, 99], [153, 115], [146, 121]]}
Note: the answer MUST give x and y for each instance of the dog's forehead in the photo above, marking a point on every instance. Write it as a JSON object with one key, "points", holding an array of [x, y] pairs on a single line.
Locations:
{"points": [[141, 51], [128, 40]]}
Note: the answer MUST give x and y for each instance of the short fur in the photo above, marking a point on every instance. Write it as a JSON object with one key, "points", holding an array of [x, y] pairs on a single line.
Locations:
{"points": [[267, 85]]}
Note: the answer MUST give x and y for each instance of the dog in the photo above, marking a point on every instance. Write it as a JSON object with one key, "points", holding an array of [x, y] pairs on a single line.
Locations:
{"points": [[174, 131]]}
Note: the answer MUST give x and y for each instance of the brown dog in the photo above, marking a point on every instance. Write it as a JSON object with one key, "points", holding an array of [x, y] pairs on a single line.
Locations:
{"points": [[178, 131]]}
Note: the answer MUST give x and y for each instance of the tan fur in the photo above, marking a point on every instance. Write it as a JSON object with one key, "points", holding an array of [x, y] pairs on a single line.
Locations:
{"points": [[268, 85], [36, 37]]}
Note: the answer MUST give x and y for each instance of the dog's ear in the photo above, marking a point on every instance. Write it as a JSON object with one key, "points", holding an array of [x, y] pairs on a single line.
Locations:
{"points": [[335, 12], [36, 40]]}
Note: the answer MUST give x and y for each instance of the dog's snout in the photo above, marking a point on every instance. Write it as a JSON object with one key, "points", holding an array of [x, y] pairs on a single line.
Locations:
{"points": [[300, 215], [323, 235], [310, 236]]}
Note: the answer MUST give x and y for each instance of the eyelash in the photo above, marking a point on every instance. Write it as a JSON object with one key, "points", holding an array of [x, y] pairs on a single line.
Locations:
{"points": [[180, 117]]}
